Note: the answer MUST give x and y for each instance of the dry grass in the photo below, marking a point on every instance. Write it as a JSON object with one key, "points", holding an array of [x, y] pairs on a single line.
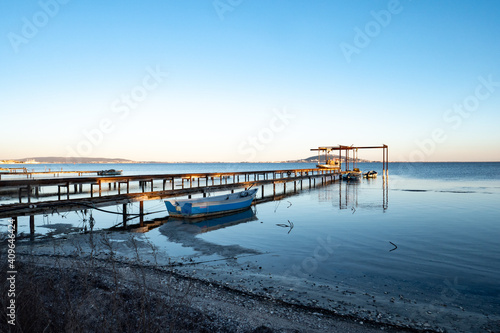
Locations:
{"points": [[98, 293]]}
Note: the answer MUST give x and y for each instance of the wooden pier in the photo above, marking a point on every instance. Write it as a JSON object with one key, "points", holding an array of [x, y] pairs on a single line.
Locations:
{"points": [[30, 174], [78, 193]]}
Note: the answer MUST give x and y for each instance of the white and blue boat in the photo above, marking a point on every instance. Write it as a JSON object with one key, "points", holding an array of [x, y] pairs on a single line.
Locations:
{"points": [[216, 205]]}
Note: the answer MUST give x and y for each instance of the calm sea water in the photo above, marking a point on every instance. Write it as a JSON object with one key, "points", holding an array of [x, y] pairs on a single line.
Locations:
{"points": [[444, 219]]}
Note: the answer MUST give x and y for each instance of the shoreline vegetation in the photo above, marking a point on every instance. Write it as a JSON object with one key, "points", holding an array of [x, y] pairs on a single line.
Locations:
{"points": [[96, 286]]}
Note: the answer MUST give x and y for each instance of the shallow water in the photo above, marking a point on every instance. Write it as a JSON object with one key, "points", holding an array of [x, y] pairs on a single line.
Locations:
{"points": [[427, 236]]}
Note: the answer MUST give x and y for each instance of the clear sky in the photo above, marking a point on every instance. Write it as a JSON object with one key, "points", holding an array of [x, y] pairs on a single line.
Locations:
{"points": [[249, 80]]}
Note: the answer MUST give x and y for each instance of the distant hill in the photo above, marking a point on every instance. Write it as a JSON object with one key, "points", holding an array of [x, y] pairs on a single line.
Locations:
{"points": [[52, 159], [314, 159]]}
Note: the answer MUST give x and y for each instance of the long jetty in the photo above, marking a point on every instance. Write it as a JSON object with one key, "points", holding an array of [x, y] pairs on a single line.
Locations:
{"points": [[78, 193], [30, 174]]}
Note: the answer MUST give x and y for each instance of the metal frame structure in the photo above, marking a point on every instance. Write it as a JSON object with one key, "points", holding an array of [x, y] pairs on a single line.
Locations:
{"points": [[354, 160]]}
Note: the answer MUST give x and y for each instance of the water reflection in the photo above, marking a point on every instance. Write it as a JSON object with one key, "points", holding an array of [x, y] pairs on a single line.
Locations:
{"points": [[385, 192], [202, 225], [348, 196], [185, 232]]}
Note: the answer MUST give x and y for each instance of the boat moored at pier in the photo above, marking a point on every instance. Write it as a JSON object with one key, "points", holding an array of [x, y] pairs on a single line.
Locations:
{"points": [[216, 205]]}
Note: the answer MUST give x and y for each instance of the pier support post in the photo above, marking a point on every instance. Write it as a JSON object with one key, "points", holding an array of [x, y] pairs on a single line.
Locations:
{"points": [[262, 192], [59, 191], [141, 213], [124, 215], [32, 224]]}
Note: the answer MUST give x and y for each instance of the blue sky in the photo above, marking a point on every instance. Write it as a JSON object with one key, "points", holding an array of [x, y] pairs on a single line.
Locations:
{"points": [[241, 80]]}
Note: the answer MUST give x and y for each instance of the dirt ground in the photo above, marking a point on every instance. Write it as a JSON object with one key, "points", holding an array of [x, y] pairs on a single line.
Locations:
{"points": [[109, 285], [72, 294]]}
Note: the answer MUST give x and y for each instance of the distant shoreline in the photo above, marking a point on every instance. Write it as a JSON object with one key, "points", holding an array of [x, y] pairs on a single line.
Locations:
{"points": [[103, 160]]}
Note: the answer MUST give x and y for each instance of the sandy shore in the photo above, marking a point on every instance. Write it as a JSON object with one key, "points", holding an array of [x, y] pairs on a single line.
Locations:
{"points": [[123, 273], [89, 283]]}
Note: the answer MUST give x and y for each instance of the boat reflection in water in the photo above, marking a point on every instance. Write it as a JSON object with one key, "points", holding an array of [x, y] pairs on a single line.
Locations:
{"points": [[185, 232], [214, 223]]}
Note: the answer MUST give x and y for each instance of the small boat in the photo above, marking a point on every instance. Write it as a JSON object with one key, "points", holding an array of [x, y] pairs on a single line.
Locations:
{"points": [[352, 175], [370, 174], [110, 172], [216, 205], [330, 164]]}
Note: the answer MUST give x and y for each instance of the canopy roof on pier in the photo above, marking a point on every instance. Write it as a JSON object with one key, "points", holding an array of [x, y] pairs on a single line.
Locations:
{"points": [[327, 149], [351, 147]]}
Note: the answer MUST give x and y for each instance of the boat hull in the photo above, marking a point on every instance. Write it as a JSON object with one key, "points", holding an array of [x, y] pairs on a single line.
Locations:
{"points": [[352, 176], [328, 166], [370, 174], [111, 172], [217, 205]]}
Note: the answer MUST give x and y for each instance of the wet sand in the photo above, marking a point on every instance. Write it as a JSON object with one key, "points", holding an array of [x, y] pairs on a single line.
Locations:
{"points": [[219, 299]]}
